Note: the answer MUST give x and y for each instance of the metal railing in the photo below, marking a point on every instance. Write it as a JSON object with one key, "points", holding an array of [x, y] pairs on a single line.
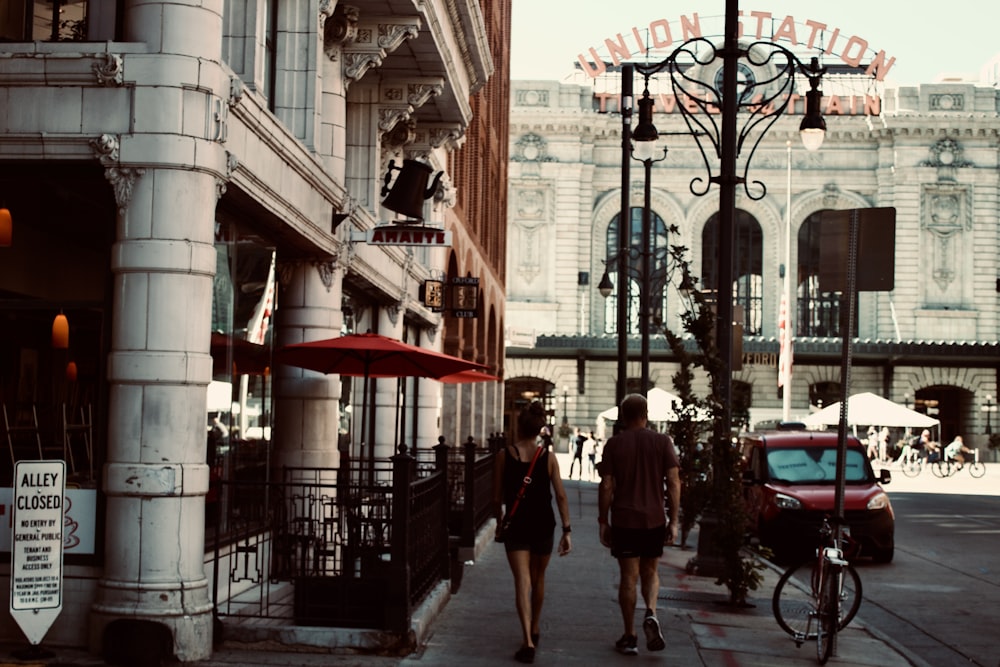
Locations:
{"points": [[360, 545]]}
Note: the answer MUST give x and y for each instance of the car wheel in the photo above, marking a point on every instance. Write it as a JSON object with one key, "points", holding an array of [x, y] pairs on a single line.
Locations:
{"points": [[884, 555]]}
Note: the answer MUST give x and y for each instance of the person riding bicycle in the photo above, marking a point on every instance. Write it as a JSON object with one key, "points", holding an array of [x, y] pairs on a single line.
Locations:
{"points": [[956, 450]]}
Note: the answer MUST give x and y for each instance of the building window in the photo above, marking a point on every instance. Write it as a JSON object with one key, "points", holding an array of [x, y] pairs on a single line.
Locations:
{"points": [[238, 410], [43, 20], [748, 263], [659, 249], [270, 51]]}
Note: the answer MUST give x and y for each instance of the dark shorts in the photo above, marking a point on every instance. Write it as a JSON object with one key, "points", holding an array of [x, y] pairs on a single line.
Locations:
{"points": [[538, 547], [637, 542]]}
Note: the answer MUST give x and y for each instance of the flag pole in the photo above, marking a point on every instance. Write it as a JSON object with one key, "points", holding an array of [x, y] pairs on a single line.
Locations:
{"points": [[785, 369]]}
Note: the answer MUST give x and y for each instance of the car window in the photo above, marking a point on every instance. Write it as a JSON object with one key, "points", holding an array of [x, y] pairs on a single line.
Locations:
{"points": [[814, 465]]}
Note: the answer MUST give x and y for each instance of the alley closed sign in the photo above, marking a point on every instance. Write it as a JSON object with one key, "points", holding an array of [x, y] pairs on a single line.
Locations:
{"points": [[37, 546]]}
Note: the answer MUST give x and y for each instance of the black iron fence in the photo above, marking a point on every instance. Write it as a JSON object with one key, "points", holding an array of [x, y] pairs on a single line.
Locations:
{"points": [[356, 546]]}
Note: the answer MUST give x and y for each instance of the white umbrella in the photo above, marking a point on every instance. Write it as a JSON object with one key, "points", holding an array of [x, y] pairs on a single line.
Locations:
{"points": [[867, 409], [661, 407]]}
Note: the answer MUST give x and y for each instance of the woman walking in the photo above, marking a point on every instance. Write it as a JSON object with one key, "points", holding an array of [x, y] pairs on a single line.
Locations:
{"points": [[525, 520]]}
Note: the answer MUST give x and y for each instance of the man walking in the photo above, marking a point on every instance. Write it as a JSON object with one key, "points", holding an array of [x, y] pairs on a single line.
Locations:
{"points": [[636, 464]]}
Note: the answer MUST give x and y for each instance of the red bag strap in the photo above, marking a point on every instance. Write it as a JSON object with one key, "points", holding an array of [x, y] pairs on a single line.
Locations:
{"points": [[527, 481]]}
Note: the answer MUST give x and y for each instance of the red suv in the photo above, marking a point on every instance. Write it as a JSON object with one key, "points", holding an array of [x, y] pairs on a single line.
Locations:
{"points": [[790, 483]]}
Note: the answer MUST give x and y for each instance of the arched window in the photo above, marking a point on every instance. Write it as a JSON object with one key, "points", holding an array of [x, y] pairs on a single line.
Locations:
{"points": [[748, 262], [658, 244], [817, 313]]}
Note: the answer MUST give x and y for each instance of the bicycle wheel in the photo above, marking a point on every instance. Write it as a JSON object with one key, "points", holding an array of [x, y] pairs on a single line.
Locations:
{"points": [[912, 467], [827, 612], [939, 470], [977, 469], [794, 604]]}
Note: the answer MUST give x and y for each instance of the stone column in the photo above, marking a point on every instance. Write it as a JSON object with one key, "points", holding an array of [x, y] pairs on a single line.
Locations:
{"points": [[307, 403], [156, 477], [386, 391], [429, 399], [152, 599]]}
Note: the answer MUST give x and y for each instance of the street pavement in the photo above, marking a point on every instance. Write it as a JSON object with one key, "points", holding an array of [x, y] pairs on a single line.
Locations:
{"points": [[477, 626]]}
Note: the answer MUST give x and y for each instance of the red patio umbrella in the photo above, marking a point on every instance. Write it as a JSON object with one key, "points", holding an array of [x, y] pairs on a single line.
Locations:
{"points": [[369, 355], [464, 377]]}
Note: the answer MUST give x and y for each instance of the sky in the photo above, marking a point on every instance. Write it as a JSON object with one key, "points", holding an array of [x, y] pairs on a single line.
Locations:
{"points": [[926, 38]]}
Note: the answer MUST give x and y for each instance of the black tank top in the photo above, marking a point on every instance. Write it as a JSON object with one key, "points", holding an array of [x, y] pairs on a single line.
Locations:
{"points": [[534, 519]]}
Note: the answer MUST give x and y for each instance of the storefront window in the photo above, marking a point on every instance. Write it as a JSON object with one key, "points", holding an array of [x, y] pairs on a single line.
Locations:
{"points": [[238, 408]]}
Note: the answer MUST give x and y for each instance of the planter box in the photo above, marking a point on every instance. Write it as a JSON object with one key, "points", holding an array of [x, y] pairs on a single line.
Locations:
{"points": [[340, 602]]}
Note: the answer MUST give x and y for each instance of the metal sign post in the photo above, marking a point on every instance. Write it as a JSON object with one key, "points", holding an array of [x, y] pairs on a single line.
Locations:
{"points": [[36, 554], [858, 254]]}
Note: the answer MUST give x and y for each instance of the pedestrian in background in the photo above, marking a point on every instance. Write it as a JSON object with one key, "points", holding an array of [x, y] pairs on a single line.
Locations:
{"points": [[636, 465], [525, 476], [578, 443]]}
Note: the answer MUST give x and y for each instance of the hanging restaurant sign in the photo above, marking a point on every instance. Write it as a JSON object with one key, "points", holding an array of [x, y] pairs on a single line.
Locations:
{"points": [[418, 235], [432, 295], [464, 297]]}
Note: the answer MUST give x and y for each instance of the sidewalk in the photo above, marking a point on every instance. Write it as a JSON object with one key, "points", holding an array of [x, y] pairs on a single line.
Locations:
{"points": [[478, 626], [581, 620]]}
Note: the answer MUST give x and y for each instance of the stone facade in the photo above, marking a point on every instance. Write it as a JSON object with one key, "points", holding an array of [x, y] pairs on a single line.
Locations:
{"points": [[929, 152], [191, 182]]}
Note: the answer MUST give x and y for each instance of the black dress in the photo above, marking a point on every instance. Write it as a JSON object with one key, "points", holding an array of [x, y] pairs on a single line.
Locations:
{"points": [[534, 520]]}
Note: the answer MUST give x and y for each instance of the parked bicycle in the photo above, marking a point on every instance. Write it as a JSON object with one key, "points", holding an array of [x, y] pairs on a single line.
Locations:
{"points": [[817, 598], [949, 466]]}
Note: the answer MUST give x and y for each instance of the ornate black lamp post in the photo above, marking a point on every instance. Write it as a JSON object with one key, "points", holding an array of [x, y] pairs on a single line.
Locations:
{"points": [[757, 80]]}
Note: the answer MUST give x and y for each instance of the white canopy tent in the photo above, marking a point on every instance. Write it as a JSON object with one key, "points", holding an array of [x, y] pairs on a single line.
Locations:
{"points": [[661, 407], [867, 409]]}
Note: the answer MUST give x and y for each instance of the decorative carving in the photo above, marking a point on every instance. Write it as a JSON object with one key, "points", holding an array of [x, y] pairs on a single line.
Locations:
{"points": [[947, 102], [393, 310], [111, 72], [232, 162], [356, 64], [831, 193], [106, 148], [946, 155], [532, 98], [236, 90], [945, 213], [531, 204], [391, 35], [531, 148], [446, 195], [418, 93], [340, 30], [122, 180], [218, 119], [326, 8], [325, 270], [403, 134], [432, 332], [389, 116], [439, 136]]}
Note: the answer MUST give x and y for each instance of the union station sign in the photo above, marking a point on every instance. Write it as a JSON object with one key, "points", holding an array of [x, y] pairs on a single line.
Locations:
{"points": [[659, 37]]}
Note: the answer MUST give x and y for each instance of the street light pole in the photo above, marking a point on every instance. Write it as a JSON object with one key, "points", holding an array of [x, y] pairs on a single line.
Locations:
{"points": [[989, 406], [644, 150], [763, 101], [565, 403], [624, 231]]}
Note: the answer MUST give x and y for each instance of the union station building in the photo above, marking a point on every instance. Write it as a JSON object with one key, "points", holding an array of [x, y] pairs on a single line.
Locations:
{"points": [[930, 152]]}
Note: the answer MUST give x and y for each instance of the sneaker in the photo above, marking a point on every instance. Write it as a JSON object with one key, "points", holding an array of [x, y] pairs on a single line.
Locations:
{"points": [[654, 638], [628, 645]]}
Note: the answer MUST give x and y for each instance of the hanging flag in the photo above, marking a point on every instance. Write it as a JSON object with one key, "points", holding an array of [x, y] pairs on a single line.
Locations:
{"points": [[261, 317], [785, 344]]}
